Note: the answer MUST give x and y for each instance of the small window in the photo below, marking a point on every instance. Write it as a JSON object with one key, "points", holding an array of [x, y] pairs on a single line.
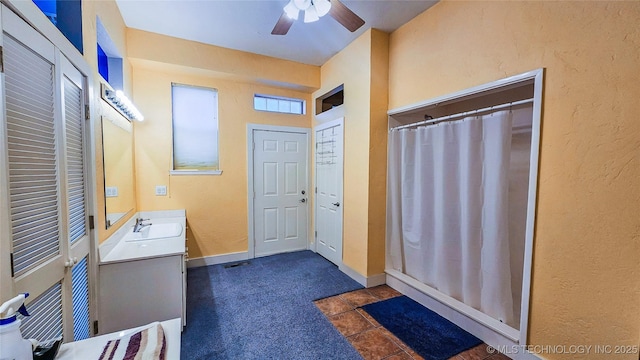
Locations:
{"points": [[195, 130], [278, 104]]}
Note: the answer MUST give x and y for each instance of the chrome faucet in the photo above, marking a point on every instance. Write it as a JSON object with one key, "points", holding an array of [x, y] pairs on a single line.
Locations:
{"points": [[139, 225]]}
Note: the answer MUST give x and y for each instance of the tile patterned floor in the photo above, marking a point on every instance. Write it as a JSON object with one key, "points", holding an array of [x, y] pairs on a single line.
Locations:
{"points": [[372, 340]]}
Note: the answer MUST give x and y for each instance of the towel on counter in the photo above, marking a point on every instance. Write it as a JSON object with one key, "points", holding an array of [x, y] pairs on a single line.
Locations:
{"points": [[146, 344]]}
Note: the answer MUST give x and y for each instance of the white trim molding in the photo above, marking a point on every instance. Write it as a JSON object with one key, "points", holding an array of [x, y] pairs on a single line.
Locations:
{"points": [[217, 259], [366, 281]]}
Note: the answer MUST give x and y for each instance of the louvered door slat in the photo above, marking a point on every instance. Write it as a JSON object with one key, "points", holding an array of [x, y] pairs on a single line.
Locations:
{"points": [[48, 250], [80, 300], [28, 125], [34, 223], [45, 321], [44, 202], [33, 148], [75, 159], [33, 102], [36, 229], [22, 215], [31, 142]]}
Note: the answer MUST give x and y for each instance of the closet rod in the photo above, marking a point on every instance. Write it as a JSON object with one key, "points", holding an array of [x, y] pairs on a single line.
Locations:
{"points": [[463, 114]]}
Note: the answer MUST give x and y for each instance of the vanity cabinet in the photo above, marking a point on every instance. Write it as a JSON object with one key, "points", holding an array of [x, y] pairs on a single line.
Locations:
{"points": [[142, 282]]}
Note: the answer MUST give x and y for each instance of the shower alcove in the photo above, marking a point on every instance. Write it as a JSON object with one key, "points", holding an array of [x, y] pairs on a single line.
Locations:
{"points": [[442, 275]]}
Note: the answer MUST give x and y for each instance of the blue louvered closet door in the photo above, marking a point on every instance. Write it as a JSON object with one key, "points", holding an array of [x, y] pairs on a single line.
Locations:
{"points": [[44, 144]]}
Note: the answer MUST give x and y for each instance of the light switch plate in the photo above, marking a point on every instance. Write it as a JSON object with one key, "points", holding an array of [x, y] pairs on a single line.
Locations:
{"points": [[161, 190]]}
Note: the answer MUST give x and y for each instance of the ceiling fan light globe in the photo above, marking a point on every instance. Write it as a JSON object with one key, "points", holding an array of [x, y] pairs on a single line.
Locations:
{"points": [[291, 10], [302, 4], [322, 7], [310, 15]]}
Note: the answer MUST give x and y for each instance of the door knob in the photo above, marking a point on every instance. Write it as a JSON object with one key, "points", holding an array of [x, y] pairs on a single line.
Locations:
{"points": [[303, 200], [69, 263], [336, 203]]}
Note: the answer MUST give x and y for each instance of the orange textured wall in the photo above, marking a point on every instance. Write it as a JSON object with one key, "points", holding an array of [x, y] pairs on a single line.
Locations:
{"points": [[363, 69], [226, 63], [378, 152], [216, 205], [114, 24], [586, 273], [352, 67]]}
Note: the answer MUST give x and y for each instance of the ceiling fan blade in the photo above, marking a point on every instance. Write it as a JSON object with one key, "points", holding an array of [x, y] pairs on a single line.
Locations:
{"points": [[283, 25], [345, 16]]}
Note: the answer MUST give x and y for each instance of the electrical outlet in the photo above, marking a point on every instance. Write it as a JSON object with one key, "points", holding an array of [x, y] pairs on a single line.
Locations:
{"points": [[111, 191], [161, 190]]}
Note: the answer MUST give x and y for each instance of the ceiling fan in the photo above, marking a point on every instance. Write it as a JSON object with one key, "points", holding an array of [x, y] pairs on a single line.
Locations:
{"points": [[313, 11]]}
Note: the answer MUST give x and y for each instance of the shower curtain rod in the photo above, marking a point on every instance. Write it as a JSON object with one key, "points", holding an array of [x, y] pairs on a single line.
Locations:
{"points": [[462, 114]]}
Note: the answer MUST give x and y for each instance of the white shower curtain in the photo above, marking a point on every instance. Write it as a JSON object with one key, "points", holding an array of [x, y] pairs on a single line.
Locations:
{"points": [[448, 206]]}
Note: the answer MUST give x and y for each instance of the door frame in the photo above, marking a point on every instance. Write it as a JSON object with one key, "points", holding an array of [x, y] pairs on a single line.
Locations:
{"points": [[251, 128], [325, 125]]}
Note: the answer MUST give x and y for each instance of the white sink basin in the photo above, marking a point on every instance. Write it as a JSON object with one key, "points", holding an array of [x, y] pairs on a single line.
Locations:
{"points": [[154, 232]]}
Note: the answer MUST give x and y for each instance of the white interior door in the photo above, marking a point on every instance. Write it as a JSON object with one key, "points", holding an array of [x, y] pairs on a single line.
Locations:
{"points": [[329, 170], [280, 191]]}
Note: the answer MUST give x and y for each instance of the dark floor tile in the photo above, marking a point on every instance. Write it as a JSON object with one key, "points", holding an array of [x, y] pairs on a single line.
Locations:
{"points": [[373, 345], [499, 356], [393, 338], [350, 323], [333, 305], [359, 297], [476, 353], [383, 292], [368, 317], [399, 356], [414, 355]]}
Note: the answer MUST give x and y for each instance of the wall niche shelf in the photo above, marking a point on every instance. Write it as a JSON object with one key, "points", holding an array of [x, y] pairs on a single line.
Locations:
{"points": [[330, 100]]}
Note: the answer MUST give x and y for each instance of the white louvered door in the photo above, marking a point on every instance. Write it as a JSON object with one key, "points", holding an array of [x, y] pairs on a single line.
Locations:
{"points": [[43, 149], [75, 214]]}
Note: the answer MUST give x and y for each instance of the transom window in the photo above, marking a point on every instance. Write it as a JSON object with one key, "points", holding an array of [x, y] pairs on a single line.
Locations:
{"points": [[278, 104]]}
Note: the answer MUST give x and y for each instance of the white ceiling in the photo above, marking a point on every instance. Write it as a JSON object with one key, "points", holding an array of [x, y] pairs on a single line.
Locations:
{"points": [[246, 24]]}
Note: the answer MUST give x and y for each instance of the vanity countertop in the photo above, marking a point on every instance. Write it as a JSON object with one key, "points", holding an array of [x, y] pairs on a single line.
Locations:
{"points": [[115, 249]]}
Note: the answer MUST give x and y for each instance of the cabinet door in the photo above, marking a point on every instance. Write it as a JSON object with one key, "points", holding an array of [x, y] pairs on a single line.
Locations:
{"points": [[129, 292]]}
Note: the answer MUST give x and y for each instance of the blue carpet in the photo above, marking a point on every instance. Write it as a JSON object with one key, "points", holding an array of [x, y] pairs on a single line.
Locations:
{"points": [[264, 310], [427, 333]]}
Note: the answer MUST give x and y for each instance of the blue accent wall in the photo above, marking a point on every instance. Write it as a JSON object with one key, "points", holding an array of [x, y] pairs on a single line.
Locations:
{"points": [[47, 6], [103, 63], [70, 21], [66, 15]]}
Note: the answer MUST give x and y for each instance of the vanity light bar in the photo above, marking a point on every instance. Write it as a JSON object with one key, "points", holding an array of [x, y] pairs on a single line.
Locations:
{"points": [[120, 102]]}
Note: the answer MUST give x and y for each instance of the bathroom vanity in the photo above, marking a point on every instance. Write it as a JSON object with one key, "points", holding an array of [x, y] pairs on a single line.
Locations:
{"points": [[143, 274]]}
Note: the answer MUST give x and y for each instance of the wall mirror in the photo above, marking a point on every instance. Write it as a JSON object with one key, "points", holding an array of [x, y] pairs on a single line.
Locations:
{"points": [[117, 156]]}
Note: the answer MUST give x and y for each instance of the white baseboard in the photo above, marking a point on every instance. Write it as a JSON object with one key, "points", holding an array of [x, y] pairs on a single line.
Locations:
{"points": [[371, 281], [217, 259]]}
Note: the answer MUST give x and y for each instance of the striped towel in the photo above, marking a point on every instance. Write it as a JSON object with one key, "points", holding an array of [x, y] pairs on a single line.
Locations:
{"points": [[146, 344]]}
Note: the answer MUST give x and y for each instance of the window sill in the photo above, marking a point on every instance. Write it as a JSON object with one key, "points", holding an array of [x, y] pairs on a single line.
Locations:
{"points": [[196, 172]]}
